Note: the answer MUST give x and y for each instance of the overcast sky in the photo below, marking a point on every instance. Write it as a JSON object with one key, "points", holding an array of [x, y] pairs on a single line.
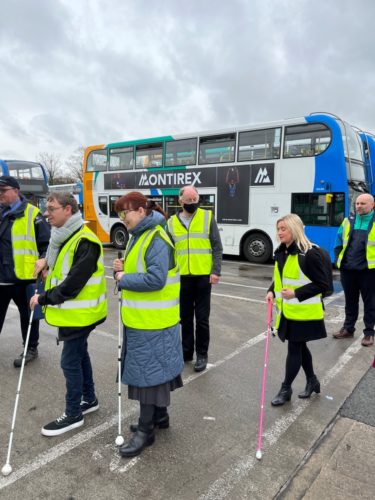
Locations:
{"points": [[83, 72]]}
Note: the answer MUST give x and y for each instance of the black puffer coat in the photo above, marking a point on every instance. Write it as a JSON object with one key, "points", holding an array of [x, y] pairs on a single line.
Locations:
{"points": [[303, 331]]}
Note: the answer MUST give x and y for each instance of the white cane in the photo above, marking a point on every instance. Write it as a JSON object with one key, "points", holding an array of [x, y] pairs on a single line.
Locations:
{"points": [[7, 468], [119, 440]]}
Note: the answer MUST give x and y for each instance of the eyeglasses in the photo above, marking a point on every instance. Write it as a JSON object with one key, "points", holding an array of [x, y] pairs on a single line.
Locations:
{"points": [[52, 209], [124, 213]]}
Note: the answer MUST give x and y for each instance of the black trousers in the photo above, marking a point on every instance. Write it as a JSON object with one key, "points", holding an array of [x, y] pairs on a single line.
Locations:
{"points": [[17, 293], [357, 283], [195, 303]]}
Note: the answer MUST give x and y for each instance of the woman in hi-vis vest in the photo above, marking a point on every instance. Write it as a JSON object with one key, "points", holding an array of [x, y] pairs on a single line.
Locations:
{"points": [[149, 280], [299, 281]]}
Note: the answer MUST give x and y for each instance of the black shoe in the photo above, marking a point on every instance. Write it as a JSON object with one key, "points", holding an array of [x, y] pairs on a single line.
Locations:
{"points": [[62, 424], [89, 407], [188, 357], [312, 385], [284, 395], [138, 441], [201, 363], [161, 420], [31, 354]]}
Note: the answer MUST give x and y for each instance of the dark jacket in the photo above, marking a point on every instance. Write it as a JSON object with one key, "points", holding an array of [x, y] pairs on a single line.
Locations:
{"points": [[84, 264], [313, 268], [42, 234]]}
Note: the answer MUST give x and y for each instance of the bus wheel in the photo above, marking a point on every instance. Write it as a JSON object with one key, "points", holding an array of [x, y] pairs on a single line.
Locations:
{"points": [[257, 248], [119, 237]]}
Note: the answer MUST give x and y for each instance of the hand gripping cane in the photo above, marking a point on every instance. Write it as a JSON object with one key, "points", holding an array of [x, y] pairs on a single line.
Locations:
{"points": [[264, 379], [7, 469], [119, 440]]}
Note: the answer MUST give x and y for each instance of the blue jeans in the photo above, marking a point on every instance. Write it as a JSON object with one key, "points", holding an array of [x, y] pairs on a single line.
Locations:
{"points": [[76, 365]]}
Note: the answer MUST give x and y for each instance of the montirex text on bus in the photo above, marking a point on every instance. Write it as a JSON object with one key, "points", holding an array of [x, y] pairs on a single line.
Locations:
{"points": [[249, 177]]}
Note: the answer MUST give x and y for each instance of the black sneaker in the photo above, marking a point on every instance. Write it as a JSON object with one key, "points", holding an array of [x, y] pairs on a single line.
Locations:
{"points": [[62, 424], [31, 354], [89, 407]]}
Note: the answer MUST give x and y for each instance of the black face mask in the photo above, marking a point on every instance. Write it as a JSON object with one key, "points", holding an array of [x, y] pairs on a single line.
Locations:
{"points": [[191, 208]]}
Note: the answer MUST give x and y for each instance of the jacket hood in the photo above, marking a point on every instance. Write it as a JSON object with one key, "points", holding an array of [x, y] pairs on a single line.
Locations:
{"points": [[149, 222]]}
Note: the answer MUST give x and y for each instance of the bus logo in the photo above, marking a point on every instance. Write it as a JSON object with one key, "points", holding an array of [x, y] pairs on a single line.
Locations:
{"points": [[170, 179], [262, 175]]}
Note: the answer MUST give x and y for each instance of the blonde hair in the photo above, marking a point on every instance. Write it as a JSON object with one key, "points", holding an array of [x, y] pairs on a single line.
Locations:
{"points": [[295, 225]]}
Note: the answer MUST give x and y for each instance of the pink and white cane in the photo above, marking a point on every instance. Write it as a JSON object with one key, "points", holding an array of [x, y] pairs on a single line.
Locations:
{"points": [[264, 380]]}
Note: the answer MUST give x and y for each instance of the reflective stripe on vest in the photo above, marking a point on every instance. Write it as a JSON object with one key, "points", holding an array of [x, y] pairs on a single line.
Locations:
{"points": [[193, 246], [370, 246], [150, 310], [90, 305], [293, 278], [25, 250]]}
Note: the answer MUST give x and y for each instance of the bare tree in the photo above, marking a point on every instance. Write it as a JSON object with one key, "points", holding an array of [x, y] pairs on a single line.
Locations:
{"points": [[52, 164], [74, 164]]}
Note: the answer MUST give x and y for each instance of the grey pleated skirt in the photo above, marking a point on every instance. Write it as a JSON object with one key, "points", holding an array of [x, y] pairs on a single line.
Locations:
{"points": [[158, 395]]}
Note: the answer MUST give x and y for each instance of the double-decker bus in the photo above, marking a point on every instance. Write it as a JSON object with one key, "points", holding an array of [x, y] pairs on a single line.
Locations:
{"points": [[248, 176], [368, 141], [32, 178], [73, 188]]}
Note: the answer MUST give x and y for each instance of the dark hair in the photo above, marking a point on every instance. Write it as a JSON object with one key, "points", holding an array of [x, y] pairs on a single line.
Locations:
{"points": [[65, 199], [135, 200]]}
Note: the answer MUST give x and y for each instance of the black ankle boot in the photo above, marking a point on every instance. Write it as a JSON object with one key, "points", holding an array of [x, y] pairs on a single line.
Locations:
{"points": [[284, 394], [139, 440], [312, 385], [161, 419]]}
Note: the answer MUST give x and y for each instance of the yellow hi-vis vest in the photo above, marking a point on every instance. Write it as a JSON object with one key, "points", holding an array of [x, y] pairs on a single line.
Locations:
{"points": [[293, 278], [150, 310], [370, 247], [90, 305], [25, 250], [193, 246]]}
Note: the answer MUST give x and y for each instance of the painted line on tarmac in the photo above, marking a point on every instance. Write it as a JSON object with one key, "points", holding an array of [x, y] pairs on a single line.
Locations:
{"points": [[239, 298], [245, 286], [222, 487], [61, 449]]}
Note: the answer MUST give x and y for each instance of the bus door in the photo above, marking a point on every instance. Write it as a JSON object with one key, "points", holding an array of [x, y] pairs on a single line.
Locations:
{"points": [[103, 212]]}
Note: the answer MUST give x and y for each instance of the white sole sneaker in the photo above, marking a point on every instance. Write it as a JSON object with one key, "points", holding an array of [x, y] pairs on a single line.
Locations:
{"points": [[90, 410], [57, 432]]}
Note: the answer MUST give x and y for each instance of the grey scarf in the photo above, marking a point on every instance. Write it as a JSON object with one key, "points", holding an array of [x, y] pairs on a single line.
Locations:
{"points": [[61, 234]]}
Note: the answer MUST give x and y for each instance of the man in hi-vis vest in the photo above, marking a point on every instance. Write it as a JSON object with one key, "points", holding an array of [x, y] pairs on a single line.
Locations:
{"points": [[75, 301], [355, 257], [199, 252], [24, 237]]}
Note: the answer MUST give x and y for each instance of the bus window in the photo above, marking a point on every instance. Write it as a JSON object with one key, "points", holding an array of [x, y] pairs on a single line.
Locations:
{"points": [[97, 161], [112, 202], [121, 158], [309, 139], [259, 144], [103, 206], [314, 209], [217, 149], [181, 152], [149, 155]]}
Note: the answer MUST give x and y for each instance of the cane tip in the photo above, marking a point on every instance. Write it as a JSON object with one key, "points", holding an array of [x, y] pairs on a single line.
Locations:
{"points": [[6, 470], [119, 441], [258, 455]]}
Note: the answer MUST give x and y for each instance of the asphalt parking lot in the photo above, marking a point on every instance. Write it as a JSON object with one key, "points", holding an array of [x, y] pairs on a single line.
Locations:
{"points": [[209, 450]]}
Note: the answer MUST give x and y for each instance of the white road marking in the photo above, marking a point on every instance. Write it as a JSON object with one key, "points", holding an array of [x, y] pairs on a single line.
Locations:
{"points": [[239, 298], [239, 471], [222, 487], [245, 286]]}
